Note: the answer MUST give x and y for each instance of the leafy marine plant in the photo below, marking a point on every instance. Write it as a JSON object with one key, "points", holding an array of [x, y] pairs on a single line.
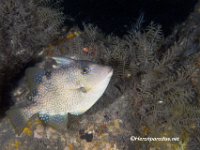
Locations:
{"points": [[26, 26], [165, 100], [165, 95]]}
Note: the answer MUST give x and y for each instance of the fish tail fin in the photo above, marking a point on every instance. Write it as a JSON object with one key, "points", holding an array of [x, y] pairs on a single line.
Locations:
{"points": [[19, 118]]}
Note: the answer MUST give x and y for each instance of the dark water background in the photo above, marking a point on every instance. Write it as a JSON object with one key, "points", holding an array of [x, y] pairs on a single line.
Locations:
{"points": [[118, 16]]}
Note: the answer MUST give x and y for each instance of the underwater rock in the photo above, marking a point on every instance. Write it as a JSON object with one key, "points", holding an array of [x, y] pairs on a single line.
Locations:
{"points": [[87, 136]]}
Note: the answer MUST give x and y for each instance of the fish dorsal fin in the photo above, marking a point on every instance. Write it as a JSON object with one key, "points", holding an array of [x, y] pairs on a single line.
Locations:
{"points": [[58, 121], [63, 61]]}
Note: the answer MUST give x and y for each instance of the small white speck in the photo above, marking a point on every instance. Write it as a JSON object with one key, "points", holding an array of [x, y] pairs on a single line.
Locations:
{"points": [[160, 102]]}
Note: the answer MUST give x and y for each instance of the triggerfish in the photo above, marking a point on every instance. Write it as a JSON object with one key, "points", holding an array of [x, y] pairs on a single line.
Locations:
{"points": [[68, 86]]}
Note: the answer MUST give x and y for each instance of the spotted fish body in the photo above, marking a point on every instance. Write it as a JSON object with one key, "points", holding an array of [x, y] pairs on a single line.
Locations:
{"points": [[67, 87]]}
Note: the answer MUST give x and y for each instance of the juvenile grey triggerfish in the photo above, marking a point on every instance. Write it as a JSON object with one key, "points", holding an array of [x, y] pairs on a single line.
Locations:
{"points": [[67, 87]]}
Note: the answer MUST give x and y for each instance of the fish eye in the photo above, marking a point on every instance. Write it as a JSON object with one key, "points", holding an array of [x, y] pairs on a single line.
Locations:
{"points": [[86, 70], [83, 89]]}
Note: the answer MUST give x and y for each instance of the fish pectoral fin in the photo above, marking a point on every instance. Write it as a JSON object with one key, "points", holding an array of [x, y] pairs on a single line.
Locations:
{"points": [[58, 121]]}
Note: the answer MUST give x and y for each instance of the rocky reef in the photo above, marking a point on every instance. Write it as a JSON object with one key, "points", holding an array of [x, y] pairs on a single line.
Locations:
{"points": [[154, 91]]}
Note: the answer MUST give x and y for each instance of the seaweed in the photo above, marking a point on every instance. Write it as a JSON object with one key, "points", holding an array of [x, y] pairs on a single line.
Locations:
{"points": [[158, 81], [25, 28]]}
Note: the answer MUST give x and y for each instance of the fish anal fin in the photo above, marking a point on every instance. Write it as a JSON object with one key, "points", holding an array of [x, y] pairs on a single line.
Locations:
{"points": [[58, 122]]}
